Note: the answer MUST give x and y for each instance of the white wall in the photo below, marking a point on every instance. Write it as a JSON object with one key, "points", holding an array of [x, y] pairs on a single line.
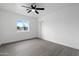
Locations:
{"points": [[8, 27], [62, 26]]}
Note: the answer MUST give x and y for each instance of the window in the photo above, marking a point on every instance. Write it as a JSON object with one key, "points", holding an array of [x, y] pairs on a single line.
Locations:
{"points": [[22, 25]]}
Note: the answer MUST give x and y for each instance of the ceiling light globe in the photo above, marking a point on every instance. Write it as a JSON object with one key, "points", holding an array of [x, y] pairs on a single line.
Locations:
{"points": [[33, 10]]}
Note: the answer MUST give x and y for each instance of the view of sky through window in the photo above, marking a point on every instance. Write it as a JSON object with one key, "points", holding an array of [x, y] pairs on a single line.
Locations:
{"points": [[22, 25]]}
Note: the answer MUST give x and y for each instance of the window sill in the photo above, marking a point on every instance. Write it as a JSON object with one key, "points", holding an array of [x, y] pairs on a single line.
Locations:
{"points": [[22, 31]]}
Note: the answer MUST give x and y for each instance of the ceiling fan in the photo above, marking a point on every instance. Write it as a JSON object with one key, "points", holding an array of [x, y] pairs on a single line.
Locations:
{"points": [[32, 8]]}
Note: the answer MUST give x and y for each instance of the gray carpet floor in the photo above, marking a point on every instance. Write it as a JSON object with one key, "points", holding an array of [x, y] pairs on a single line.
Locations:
{"points": [[36, 47]]}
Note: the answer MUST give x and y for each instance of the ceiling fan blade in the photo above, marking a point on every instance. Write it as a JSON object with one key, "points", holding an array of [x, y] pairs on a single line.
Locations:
{"points": [[37, 12], [39, 8], [35, 6], [29, 11], [26, 7], [32, 7]]}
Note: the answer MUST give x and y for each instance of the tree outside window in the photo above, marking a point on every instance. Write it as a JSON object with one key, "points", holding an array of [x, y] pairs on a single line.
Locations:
{"points": [[22, 25]]}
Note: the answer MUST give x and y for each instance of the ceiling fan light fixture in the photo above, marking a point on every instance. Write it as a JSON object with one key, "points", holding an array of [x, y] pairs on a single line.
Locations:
{"points": [[33, 10]]}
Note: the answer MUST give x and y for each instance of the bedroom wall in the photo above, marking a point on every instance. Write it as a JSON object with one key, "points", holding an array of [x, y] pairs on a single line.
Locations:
{"points": [[61, 26], [8, 28]]}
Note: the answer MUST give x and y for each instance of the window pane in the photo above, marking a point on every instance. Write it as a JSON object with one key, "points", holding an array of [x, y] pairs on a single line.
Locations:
{"points": [[22, 25]]}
